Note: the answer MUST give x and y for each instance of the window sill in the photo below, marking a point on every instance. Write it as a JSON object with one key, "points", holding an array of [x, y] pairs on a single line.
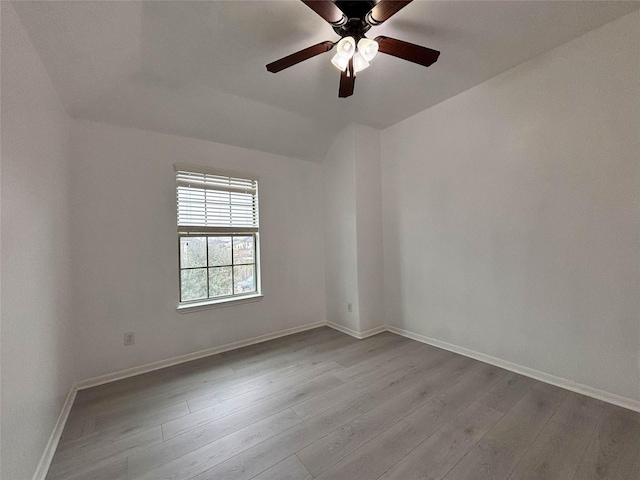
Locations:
{"points": [[225, 302]]}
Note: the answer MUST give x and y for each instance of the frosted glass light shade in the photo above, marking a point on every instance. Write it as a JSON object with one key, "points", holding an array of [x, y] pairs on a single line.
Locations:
{"points": [[340, 62], [368, 48], [347, 47], [359, 63]]}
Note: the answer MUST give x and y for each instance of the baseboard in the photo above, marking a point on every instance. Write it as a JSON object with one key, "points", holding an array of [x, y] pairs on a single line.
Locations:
{"points": [[54, 439], [149, 367], [522, 370], [354, 333]]}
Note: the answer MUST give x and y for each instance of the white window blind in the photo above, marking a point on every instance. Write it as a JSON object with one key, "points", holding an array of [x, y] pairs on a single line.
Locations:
{"points": [[215, 201]]}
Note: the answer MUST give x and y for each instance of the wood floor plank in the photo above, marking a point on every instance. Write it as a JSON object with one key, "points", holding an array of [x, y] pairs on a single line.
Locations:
{"points": [[348, 347], [209, 455], [186, 380], [111, 471], [557, 451], [107, 420], [263, 456], [214, 366], [454, 398], [500, 450], [272, 451], [74, 426], [287, 394], [323, 351], [414, 365], [121, 430], [316, 335], [290, 468], [368, 348], [193, 388], [392, 353], [329, 450], [272, 386], [508, 392], [191, 439], [375, 457], [440, 452], [247, 383], [614, 449], [177, 389], [292, 351], [334, 349], [383, 407], [445, 448], [63, 466]]}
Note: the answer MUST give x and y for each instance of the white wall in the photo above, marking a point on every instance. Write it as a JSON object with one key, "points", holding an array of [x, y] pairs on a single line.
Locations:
{"points": [[369, 227], [511, 214], [510, 228], [125, 256], [340, 240], [37, 336], [353, 229]]}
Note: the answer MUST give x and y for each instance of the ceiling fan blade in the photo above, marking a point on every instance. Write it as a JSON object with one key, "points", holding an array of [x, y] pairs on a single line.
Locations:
{"points": [[347, 81], [327, 10], [407, 51], [300, 56], [384, 10]]}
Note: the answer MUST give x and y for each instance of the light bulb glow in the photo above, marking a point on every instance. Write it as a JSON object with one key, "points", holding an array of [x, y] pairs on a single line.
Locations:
{"points": [[359, 63], [347, 47], [368, 48], [340, 62]]}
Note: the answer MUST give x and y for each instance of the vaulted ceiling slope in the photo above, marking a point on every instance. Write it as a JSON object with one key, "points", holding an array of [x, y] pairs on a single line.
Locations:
{"points": [[197, 69]]}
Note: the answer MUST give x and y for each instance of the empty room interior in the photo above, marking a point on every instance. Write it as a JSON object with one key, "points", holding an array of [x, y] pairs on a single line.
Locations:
{"points": [[262, 240]]}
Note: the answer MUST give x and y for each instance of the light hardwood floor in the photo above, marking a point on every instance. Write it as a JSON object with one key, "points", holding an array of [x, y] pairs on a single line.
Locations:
{"points": [[320, 404]]}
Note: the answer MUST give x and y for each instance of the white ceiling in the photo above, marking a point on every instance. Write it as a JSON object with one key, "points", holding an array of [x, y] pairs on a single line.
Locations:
{"points": [[197, 69]]}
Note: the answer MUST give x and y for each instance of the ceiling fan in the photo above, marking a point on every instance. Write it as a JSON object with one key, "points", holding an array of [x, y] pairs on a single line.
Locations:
{"points": [[351, 19]]}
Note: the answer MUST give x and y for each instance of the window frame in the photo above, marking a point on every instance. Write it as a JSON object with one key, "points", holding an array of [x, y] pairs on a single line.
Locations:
{"points": [[185, 231]]}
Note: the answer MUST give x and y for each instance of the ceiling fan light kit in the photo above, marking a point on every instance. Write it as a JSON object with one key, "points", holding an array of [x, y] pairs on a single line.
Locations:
{"points": [[340, 62], [346, 47], [362, 54], [359, 63], [368, 48], [351, 19]]}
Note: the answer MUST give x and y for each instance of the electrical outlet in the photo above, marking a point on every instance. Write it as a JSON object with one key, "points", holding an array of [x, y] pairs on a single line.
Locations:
{"points": [[129, 338], [349, 307]]}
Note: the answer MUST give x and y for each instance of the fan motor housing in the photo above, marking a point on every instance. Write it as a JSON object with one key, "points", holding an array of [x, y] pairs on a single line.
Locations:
{"points": [[354, 27], [355, 8], [355, 11]]}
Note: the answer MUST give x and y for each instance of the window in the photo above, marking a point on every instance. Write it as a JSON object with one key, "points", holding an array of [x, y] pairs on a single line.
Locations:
{"points": [[218, 235]]}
